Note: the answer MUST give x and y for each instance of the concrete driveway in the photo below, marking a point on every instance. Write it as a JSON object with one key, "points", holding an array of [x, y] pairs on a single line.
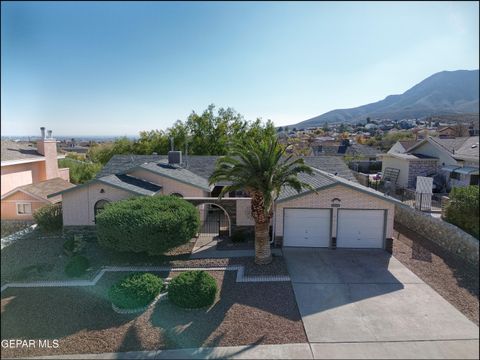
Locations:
{"points": [[366, 304]]}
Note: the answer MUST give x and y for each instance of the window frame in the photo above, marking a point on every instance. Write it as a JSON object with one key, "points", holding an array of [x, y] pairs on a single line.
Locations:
{"points": [[23, 203]]}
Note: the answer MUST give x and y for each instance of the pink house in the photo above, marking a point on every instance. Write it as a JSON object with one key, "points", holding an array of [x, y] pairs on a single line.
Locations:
{"points": [[29, 175]]}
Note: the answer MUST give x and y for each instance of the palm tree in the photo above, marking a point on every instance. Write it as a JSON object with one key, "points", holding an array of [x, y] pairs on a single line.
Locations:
{"points": [[261, 169]]}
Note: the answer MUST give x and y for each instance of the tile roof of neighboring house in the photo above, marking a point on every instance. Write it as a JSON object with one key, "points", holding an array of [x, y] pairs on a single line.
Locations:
{"points": [[131, 184], [407, 144], [365, 150], [12, 150], [316, 180], [44, 188], [203, 166], [177, 173]]}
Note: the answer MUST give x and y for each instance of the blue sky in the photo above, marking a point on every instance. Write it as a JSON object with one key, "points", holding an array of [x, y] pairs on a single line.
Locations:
{"points": [[115, 68]]}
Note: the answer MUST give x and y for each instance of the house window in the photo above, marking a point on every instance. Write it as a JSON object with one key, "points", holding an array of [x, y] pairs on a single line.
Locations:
{"points": [[455, 175], [474, 180], [24, 209]]}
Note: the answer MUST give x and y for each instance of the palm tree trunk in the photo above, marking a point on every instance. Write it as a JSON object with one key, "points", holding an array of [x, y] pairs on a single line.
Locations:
{"points": [[263, 254]]}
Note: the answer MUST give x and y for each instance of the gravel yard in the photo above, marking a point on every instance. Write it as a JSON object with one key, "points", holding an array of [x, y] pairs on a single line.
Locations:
{"points": [[455, 280], [244, 313]]}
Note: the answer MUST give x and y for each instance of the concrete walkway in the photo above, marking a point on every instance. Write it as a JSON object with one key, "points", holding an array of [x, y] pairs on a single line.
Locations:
{"points": [[383, 350], [365, 303], [206, 247]]}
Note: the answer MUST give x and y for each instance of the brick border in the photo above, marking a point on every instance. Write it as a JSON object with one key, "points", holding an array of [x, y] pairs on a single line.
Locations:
{"points": [[240, 269]]}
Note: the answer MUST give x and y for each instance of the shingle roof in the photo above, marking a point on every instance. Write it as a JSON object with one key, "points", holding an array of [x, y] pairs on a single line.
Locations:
{"points": [[47, 187], [131, 184], [178, 173], [321, 179], [12, 150], [469, 148], [451, 145], [365, 150], [203, 166]]}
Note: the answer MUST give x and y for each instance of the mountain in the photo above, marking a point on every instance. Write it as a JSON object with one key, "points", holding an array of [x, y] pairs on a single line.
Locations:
{"points": [[443, 93]]}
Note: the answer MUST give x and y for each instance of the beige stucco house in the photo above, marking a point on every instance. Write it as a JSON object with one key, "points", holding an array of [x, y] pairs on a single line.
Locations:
{"points": [[28, 175], [456, 159], [339, 213]]}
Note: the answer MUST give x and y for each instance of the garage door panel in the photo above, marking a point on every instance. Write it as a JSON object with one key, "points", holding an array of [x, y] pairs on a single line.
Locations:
{"points": [[306, 227], [360, 228]]}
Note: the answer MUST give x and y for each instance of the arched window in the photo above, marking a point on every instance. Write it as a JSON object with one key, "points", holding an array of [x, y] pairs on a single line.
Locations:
{"points": [[99, 206], [177, 195]]}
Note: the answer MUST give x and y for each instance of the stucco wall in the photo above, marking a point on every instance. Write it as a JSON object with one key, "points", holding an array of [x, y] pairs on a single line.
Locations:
{"points": [[13, 176], [170, 186], [448, 236], [9, 206], [350, 199], [78, 205], [244, 213], [64, 173], [433, 151], [401, 164]]}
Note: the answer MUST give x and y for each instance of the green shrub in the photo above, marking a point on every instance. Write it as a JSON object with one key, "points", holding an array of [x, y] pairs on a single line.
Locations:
{"points": [[77, 266], [80, 171], [49, 217], [74, 245], [238, 236], [135, 291], [147, 224], [463, 208], [192, 289]]}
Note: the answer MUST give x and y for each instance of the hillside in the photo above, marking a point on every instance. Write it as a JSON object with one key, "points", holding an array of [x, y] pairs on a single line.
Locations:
{"points": [[446, 92]]}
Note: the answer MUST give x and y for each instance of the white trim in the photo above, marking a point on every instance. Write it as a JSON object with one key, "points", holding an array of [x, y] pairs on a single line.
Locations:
{"points": [[22, 202], [12, 192], [16, 201], [25, 161]]}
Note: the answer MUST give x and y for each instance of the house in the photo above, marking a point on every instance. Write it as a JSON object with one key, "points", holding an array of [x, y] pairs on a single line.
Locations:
{"points": [[28, 175], [339, 213], [455, 160]]}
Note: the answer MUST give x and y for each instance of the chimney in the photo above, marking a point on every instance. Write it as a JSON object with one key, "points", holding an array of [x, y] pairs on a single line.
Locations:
{"points": [[47, 146]]}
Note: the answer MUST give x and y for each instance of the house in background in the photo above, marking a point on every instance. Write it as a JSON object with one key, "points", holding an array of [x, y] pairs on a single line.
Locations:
{"points": [[455, 160], [339, 213], [29, 175]]}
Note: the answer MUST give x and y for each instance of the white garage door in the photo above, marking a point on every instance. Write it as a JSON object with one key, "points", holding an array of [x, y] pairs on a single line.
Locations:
{"points": [[360, 229], [306, 227]]}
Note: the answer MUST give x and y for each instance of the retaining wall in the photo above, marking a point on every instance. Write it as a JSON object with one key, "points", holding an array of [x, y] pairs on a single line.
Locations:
{"points": [[448, 236]]}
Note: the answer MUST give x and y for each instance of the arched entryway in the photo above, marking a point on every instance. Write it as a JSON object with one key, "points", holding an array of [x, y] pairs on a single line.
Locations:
{"points": [[99, 206], [215, 221]]}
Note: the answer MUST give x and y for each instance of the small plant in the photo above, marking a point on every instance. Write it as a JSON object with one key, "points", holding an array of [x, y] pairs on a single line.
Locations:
{"points": [[463, 208], [238, 236], [77, 266], [193, 289], [49, 218], [135, 291], [74, 246]]}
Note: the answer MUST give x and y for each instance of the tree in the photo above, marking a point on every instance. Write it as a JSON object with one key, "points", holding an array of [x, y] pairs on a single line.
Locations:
{"points": [[325, 127], [286, 129], [80, 171], [261, 169], [280, 129]]}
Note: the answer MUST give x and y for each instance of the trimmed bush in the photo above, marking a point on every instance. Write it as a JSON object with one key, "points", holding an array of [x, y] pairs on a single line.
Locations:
{"points": [[77, 266], [147, 224], [463, 209], [192, 289], [49, 218], [74, 245], [135, 291]]}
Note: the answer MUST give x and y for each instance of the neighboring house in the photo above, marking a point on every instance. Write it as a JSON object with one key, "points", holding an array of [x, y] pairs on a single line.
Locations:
{"points": [[339, 213], [454, 159], [28, 174]]}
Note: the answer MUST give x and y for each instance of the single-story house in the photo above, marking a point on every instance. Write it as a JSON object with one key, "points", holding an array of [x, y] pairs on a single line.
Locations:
{"points": [[339, 213], [456, 159]]}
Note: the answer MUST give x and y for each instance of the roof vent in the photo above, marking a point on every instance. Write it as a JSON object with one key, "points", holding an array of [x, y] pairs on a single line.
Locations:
{"points": [[42, 129], [474, 146], [174, 157]]}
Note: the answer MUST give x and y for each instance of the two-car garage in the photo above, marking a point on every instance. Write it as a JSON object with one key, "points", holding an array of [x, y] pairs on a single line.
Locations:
{"points": [[354, 228]]}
